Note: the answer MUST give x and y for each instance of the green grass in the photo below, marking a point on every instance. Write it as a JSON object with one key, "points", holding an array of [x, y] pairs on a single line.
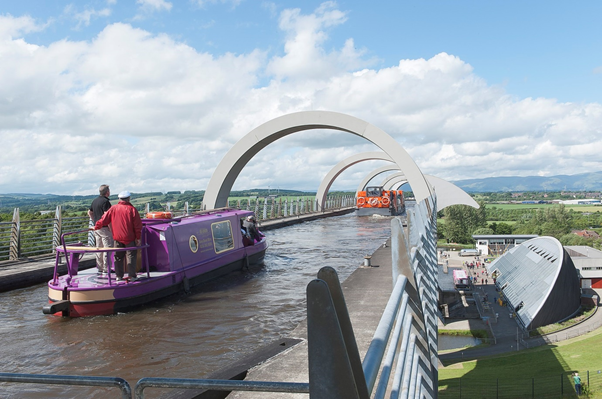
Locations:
{"points": [[542, 368], [576, 208], [473, 333], [550, 328]]}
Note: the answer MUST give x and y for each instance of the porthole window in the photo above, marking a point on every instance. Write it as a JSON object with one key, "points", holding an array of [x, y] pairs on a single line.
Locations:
{"points": [[193, 243]]}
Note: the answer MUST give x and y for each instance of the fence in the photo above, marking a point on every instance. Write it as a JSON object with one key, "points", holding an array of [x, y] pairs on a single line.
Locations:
{"points": [[551, 386], [27, 238], [274, 208]]}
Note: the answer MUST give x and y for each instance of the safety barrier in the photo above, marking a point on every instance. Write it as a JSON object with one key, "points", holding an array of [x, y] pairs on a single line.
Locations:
{"points": [[74, 380], [26, 238]]}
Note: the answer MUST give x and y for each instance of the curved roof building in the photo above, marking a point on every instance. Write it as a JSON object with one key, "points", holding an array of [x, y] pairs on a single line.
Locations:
{"points": [[539, 281]]}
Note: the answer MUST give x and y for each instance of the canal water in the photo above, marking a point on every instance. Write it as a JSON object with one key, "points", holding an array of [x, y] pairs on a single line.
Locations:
{"points": [[447, 342], [184, 336]]}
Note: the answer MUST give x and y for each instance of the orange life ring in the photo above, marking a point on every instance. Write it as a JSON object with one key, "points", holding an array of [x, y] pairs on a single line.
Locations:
{"points": [[361, 201], [386, 201], [158, 215], [373, 201]]}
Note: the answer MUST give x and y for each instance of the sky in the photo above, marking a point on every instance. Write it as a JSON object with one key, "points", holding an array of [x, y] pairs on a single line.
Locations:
{"points": [[149, 95]]}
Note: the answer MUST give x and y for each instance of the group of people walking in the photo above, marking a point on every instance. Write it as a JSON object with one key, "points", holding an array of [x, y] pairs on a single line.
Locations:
{"points": [[118, 226]]}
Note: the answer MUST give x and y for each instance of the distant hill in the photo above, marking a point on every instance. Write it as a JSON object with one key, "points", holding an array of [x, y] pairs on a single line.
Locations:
{"points": [[581, 182]]}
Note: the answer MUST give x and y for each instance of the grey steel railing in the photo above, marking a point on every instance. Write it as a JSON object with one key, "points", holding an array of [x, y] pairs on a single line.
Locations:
{"points": [[5, 239], [25, 238], [46, 379]]}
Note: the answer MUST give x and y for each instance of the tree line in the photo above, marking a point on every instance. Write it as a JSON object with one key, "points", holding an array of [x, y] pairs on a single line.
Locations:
{"points": [[460, 222]]}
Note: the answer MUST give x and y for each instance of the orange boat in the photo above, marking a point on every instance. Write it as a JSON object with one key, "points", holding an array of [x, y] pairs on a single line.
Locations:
{"points": [[376, 201]]}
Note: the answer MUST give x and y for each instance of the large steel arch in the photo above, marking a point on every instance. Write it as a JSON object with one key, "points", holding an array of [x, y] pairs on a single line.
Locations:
{"points": [[447, 193], [339, 168], [399, 176], [373, 174], [245, 149]]}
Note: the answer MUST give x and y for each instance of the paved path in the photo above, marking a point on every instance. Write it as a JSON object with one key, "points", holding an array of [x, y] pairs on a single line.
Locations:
{"points": [[366, 292], [506, 328]]}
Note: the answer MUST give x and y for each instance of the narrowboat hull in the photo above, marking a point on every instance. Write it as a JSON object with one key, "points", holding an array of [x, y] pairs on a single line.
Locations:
{"points": [[164, 273], [377, 211]]}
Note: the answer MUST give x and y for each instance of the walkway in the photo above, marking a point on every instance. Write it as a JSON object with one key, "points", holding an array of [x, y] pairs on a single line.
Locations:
{"points": [[506, 328]]}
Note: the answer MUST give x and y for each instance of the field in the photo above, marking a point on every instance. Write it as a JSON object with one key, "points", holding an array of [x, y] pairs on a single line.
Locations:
{"points": [[576, 208], [544, 369]]}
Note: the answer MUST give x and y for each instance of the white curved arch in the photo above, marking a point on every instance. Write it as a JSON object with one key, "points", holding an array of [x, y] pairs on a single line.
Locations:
{"points": [[372, 175], [394, 177], [447, 193], [341, 167], [245, 149]]}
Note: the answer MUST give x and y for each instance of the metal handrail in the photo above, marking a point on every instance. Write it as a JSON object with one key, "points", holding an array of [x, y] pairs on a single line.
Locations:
{"points": [[376, 350], [63, 248], [126, 391], [219, 385]]}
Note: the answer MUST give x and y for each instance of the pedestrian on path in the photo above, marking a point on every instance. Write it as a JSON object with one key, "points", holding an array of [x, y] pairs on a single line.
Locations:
{"points": [[577, 381]]}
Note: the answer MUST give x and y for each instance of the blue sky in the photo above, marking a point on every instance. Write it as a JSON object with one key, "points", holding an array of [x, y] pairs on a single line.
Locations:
{"points": [[534, 49], [469, 88]]}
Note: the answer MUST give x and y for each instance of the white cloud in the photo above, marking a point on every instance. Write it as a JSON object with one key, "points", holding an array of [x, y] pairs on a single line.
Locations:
{"points": [[15, 27], [144, 111], [233, 3], [155, 5], [83, 18], [305, 57]]}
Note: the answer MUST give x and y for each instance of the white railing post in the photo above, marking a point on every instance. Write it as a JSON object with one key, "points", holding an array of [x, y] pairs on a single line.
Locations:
{"points": [[15, 236]]}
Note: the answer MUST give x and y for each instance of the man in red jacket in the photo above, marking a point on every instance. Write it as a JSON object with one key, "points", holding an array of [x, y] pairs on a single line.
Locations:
{"points": [[127, 227]]}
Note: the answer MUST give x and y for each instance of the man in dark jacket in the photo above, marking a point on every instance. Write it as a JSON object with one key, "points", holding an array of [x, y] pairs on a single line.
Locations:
{"points": [[127, 228], [104, 238]]}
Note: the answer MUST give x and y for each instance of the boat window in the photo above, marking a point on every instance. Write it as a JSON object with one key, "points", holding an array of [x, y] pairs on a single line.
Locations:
{"points": [[222, 236], [373, 191]]}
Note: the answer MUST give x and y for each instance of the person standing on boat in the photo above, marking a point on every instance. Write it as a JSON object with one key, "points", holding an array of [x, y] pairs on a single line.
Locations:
{"points": [[103, 236], [251, 227], [127, 228]]}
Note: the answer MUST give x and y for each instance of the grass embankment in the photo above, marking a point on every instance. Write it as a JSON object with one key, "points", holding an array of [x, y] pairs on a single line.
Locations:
{"points": [[550, 328], [465, 333], [576, 208], [544, 370]]}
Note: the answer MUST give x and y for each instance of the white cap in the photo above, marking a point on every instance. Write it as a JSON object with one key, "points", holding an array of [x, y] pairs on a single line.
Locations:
{"points": [[124, 194]]}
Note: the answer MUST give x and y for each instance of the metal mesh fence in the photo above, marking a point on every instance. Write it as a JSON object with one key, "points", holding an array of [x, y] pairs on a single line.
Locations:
{"points": [[5, 231], [36, 237], [552, 386]]}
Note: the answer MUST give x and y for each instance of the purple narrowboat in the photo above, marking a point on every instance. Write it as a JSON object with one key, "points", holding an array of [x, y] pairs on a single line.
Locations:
{"points": [[175, 255]]}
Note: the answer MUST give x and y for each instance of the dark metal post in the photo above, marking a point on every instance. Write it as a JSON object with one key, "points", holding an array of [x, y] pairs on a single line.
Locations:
{"points": [[460, 387], [533, 387], [330, 371], [497, 388], [562, 384]]}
